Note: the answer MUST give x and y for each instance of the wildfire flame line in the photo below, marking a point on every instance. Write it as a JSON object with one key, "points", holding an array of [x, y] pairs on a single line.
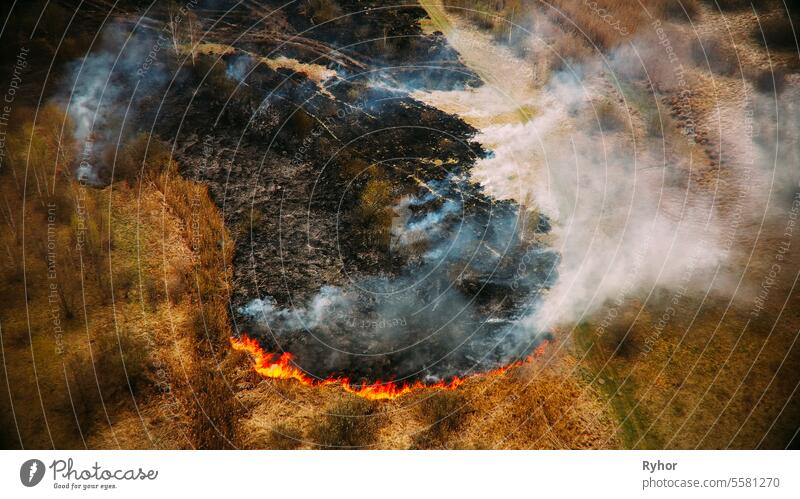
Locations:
{"points": [[280, 366]]}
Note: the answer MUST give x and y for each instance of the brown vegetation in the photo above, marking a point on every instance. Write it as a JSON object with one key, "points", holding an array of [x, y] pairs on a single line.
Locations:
{"points": [[603, 27], [127, 264], [607, 117], [769, 80], [115, 365], [715, 55], [778, 32], [143, 156], [442, 414], [284, 437], [351, 423], [374, 213], [321, 11]]}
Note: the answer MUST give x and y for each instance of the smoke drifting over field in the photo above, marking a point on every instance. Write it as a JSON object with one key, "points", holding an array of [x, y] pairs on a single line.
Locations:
{"points": [[625, 177], [451, 310]]}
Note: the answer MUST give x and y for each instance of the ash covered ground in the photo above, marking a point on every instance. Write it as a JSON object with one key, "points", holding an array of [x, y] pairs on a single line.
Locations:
{"points": [[363, 247]]}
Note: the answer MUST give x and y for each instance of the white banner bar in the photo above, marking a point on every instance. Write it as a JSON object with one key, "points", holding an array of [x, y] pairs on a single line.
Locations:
{"points": [[410, 475]]}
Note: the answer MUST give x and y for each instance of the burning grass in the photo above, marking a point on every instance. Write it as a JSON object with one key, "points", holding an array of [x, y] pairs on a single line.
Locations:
{"points": [[281, 366]]}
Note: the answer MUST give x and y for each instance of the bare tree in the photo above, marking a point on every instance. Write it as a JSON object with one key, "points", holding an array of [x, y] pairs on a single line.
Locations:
{"points": [[183, 26]]}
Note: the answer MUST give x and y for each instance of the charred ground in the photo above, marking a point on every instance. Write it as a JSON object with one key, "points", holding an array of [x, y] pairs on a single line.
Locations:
{"points": [[311, 173]]}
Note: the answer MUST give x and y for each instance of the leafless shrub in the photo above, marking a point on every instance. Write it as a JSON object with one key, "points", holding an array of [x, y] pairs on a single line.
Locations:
{"points": [[608, 117], [714, 55], [769, 80], [442, 414], [349, 424], [283, 437]]}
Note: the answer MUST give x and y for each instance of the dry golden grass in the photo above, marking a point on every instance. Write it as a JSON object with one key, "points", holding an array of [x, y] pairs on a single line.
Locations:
{"points": [[441, 414], [351, 423], [284, 437], [107, 274]]}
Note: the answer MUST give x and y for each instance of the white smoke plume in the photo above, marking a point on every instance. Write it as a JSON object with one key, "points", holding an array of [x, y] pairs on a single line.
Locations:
{"points": [[632, 212], [103, 91]]}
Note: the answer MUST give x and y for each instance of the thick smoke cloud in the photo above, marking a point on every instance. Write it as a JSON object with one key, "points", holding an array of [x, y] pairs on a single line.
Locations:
{"points": [[633, 213]]}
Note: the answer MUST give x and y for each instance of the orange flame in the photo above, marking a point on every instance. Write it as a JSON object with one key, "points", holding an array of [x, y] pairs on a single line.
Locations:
{"points": [[280, 366]]}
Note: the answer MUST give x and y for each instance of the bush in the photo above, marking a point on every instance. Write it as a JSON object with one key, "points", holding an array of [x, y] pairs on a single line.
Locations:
{"points": [[121, 367], [566, 51], [678, 10], [351, 168], [656, 123], [209, 325], [350, 424], [282, 437], [124, 280], [122, 361], [776, 33], [496, 16], [300, 124], [153, 291], [321, 11], [42, 148], [712, 54], [374, 213], [143, 156], [213, 74], [177, 285], [769, 80], [442, 414], [607, 116], [728, 5]]}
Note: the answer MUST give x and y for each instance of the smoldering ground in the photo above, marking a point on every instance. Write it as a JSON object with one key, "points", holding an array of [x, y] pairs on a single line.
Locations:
{"points": [[462, 270], [469, 274]]}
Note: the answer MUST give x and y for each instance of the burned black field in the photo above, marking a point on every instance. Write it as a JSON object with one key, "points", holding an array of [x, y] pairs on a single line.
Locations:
{"points": [[362, 245]]}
